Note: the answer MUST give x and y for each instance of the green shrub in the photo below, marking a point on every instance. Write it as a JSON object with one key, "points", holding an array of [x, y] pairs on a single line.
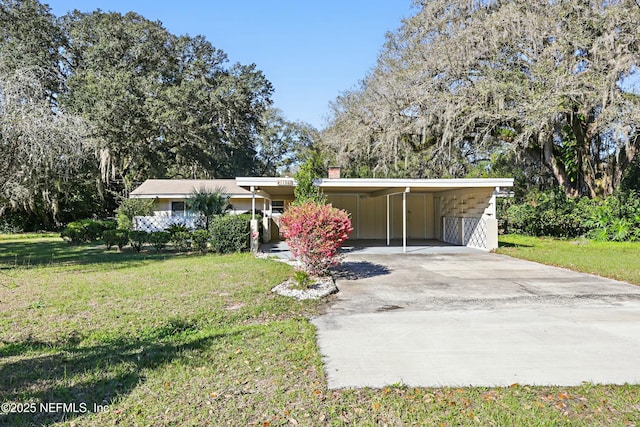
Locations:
{"points": [[551, 213], [130, 208], [86, 230], [617, 218], [10, 226], [96, 228], [159, 239], [306, 190], [208, 203], [138, 239], [229, 233], [118, 238], [302, 279], [178, 228], [180, 237], [181, 240], [74, 234], [200, 240]]}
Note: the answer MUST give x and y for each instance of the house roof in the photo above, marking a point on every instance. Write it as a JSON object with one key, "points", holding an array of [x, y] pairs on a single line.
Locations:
{"points": [[183, 188], [273, 186], [372, 186]]}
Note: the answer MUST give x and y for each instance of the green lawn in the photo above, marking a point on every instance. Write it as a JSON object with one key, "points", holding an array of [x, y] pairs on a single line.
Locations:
{"points": [[618, 260], [167, 339]]}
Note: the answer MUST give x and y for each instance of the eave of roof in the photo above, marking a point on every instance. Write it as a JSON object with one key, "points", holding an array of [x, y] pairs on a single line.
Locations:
{"points": [[373, 186], [241, 187], [416, 183], [184, 188]]}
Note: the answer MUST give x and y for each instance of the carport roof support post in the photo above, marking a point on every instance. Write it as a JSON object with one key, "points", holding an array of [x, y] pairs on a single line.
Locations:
{"points": [[404, 219], [404, 222], [388, 221]]}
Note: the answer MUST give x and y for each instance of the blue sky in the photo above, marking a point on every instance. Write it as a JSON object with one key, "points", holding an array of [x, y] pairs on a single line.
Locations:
{"points": [[311, 51]]}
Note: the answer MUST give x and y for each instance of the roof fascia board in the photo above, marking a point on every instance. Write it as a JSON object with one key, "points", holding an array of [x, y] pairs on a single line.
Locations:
{"points": [[264, 181], [381, 182], [416, 183], [188, 196]]}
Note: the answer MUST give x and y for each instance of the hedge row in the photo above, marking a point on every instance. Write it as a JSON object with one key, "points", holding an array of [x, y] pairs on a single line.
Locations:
{"points": [[227, 233], [552, 213], [86, 230]]}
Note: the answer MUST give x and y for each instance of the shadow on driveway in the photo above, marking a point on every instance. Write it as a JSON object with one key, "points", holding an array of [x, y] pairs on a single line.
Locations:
{"points": [[354, 270]]}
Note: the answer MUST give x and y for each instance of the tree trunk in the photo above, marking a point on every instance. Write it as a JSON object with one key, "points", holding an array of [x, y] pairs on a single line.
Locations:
{"points": [[586, 178], [623, 158], [545, 138]]}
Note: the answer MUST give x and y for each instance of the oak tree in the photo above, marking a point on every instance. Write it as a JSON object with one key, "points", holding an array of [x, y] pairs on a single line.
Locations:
{"points": [[462, 79]]}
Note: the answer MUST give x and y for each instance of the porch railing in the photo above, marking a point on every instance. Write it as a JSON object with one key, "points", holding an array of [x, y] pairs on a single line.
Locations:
{"points": [[162, 222]]}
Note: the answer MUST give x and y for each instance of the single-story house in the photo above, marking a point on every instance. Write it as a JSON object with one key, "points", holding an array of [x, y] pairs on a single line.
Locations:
{"points": [[456, 211], [171, 197]]}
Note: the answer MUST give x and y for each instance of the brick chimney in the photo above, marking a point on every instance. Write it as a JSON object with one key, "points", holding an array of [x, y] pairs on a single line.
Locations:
{"points": [[334, 172]]}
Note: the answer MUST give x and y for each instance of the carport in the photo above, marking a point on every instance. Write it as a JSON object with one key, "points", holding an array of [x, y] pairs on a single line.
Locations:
{"points": [[456, 211]]}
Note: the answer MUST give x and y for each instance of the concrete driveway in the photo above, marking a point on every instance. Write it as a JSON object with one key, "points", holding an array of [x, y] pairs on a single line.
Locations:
{"points": [[476, 319]]}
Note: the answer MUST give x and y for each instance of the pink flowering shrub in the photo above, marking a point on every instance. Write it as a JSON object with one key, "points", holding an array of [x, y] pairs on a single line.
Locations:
{"points": [[314, 233]]}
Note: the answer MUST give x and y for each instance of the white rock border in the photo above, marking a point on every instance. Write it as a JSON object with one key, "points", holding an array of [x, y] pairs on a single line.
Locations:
{"points": [[320, 288]]}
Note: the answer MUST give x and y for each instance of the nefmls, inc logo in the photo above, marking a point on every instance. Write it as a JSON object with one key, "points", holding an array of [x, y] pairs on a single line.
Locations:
{"points": [[66, 407]]}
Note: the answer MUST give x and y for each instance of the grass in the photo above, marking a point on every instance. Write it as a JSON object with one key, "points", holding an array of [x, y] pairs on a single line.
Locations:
{"points": [[617, 260], [177, 340]]}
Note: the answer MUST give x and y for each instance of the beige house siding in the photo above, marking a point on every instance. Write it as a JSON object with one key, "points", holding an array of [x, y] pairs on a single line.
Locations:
{"points": [[239, 205], [419, 216], [372, 221], [369, 215], [163, 206]]}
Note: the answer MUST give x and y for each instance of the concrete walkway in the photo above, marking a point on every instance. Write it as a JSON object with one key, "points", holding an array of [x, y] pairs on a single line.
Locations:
{"points": [[480, 319]]}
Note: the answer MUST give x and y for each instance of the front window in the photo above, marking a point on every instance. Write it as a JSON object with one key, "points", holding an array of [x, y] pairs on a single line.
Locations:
{"points": [[177, 208], [277, 206]]}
